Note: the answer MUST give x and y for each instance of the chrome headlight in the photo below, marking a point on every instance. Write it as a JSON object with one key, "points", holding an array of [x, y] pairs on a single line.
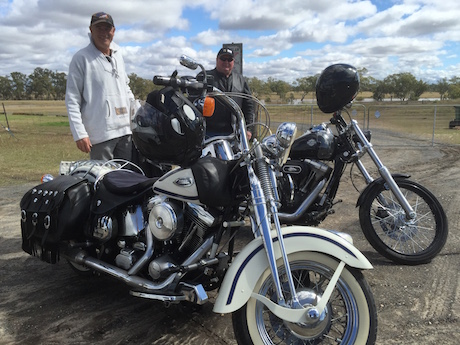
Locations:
{"points": [[271, 146], [278, 145], [285, 134]]}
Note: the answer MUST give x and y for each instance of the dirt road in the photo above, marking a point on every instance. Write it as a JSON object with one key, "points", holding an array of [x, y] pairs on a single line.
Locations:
{"points": [[50, 304]]}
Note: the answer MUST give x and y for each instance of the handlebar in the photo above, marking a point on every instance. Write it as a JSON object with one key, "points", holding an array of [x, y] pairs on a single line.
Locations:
{"points": [[179, 83], [205, 87]]}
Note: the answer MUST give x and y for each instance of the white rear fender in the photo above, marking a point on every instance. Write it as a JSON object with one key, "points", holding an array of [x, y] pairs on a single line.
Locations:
{"points": [[252, 261]]}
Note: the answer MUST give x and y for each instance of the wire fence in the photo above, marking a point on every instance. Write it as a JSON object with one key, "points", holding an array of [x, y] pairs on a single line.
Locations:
{"points": [[427, 124]]}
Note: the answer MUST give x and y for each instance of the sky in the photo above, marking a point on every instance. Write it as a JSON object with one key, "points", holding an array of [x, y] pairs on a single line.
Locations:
{"points": [[284, 40]]}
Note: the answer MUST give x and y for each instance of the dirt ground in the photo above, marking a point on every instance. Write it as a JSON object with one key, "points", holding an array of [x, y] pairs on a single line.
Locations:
{"points": [[50, 304]]}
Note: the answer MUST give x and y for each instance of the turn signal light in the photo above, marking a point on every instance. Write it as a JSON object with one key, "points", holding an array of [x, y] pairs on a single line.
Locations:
{"points": [[209, 106]]}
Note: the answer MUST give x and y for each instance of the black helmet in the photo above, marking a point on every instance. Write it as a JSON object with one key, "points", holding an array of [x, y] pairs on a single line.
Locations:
{"points": [[168, 128], [336, 87]]}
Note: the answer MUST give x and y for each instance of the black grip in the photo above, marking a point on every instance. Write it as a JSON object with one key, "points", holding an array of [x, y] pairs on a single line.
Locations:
{"points": [[165, 81], [178, 83]]}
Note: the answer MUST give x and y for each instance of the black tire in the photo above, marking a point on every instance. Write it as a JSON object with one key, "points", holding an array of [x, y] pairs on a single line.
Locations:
{"points": [[385, 226], [350, 315]]}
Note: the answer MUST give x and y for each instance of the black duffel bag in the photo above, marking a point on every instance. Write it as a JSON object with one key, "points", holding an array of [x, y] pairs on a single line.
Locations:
{"points": [[51, 212]]}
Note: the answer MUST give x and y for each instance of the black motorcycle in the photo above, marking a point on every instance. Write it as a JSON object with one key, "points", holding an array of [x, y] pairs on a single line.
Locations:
{"points": [[401, 219]]}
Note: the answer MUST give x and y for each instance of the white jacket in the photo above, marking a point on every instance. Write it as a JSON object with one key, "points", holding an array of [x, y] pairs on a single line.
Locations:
{"points": [[98, 95]]}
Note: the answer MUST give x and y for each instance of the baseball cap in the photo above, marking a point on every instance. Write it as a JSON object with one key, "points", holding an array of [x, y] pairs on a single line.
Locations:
{"points": [[101, 17], [225, 51]]}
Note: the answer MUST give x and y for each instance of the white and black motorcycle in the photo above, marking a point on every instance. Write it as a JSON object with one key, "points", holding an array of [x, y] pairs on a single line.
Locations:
{"points": [[172, 238]]}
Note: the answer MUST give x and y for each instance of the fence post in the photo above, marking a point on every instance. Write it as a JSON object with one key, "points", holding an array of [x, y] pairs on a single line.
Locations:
{"points": [[434, 125], [311, 115]]}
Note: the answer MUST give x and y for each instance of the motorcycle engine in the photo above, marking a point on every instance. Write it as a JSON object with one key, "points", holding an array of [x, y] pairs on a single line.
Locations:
{"points": [[107, 227], [181, 228], [104, 228], [165, 218]]}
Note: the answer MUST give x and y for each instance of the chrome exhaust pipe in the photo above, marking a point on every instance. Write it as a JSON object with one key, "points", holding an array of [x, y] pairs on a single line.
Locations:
{"points": [[290, 217], [82, 258]]}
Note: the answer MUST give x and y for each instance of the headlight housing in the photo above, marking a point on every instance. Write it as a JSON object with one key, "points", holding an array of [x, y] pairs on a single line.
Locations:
{"points": [[277, 146]]}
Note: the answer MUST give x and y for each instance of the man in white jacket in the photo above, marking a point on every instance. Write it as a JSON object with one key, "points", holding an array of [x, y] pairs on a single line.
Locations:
{"points": [[98, 95]]}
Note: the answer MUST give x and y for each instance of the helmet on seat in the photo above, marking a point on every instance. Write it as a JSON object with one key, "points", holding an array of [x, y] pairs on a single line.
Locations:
{"points": [[168, 128], [337, 86]]}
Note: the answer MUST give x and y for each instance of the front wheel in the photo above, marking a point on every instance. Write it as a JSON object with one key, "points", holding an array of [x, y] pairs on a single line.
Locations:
{"points": [[350, 316], [404, 241]]}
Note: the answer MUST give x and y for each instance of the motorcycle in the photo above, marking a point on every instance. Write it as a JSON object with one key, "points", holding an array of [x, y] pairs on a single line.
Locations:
{"points": [[400, 218], [172, 238]]}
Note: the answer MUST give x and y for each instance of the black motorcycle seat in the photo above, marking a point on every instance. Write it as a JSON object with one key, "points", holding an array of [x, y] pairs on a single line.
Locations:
{"points": [[126, 182]]}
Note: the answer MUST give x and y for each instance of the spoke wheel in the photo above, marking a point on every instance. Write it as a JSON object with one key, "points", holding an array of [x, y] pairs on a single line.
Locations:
{"points": [[402, 240], [350, 316]]}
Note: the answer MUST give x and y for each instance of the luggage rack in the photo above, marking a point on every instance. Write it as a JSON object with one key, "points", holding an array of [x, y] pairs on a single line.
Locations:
{"points": [[93, 170]]}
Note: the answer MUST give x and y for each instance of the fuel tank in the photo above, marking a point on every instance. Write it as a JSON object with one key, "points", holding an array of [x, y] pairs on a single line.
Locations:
{"points": [[317, 143], [178, 184]]}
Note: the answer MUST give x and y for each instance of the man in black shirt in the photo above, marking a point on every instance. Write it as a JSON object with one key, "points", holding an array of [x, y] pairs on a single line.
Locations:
{"points": [[226, 80]]}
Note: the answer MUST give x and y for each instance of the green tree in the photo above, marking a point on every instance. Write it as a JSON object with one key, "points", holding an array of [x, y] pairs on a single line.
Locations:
{"points": [[454, 88], [454, 91], [18, 85], [405, 86], [58, 81], [390, 85], [40, 84], [418, 88], [258, 87], [380, 89], [141, 87], [279, 87], [442, 87], [6, 91], [306, 85], [366, 82]]}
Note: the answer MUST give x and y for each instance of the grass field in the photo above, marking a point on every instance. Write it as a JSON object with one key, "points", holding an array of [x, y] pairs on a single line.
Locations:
{"points": [[36, 143]]}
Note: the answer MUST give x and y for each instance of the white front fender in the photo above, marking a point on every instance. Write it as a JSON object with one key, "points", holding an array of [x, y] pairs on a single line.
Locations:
{"points": [[252, 261]]}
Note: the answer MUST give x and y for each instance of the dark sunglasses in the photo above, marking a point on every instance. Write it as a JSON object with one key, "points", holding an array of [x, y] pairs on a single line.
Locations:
{"points": [[229, 59]]}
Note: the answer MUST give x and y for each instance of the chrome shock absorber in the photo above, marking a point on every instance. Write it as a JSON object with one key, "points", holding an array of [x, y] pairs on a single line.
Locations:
{"points": [[268, 185], [263, 173]]}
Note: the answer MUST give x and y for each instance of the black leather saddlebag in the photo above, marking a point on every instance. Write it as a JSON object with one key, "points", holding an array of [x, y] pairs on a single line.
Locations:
{"points": [[51, 212]]}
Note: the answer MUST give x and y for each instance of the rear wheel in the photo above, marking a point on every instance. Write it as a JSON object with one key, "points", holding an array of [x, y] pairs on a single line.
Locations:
{"points": [[404, 241], [350, 317]]}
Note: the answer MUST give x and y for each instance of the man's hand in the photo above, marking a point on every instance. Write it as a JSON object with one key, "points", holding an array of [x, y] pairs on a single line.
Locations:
{"points": [[249, 135], [84, 145]]}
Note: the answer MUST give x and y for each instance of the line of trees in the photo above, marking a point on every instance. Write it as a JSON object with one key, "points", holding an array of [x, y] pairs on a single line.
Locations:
{"points": [[44, 84], [403, 86]]}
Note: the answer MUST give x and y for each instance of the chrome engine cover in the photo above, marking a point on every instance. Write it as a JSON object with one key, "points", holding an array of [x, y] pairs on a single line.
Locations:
{"points": [[104, 228], [157, 266], [165, 218], [133, 221]]}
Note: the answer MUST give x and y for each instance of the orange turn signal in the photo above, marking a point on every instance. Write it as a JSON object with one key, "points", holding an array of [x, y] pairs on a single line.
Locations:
{"points": [[209, 106]]}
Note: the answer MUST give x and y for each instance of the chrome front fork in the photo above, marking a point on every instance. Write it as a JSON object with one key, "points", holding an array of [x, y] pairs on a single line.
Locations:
{"points": [[263, 199], [383, 171]]}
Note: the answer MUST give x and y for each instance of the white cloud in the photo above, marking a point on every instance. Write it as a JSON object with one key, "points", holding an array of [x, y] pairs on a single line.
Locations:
{"points": [[282, 39]]}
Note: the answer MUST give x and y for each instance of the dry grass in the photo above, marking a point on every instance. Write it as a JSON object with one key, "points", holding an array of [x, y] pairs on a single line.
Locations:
{"points": [[37, 143]]}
